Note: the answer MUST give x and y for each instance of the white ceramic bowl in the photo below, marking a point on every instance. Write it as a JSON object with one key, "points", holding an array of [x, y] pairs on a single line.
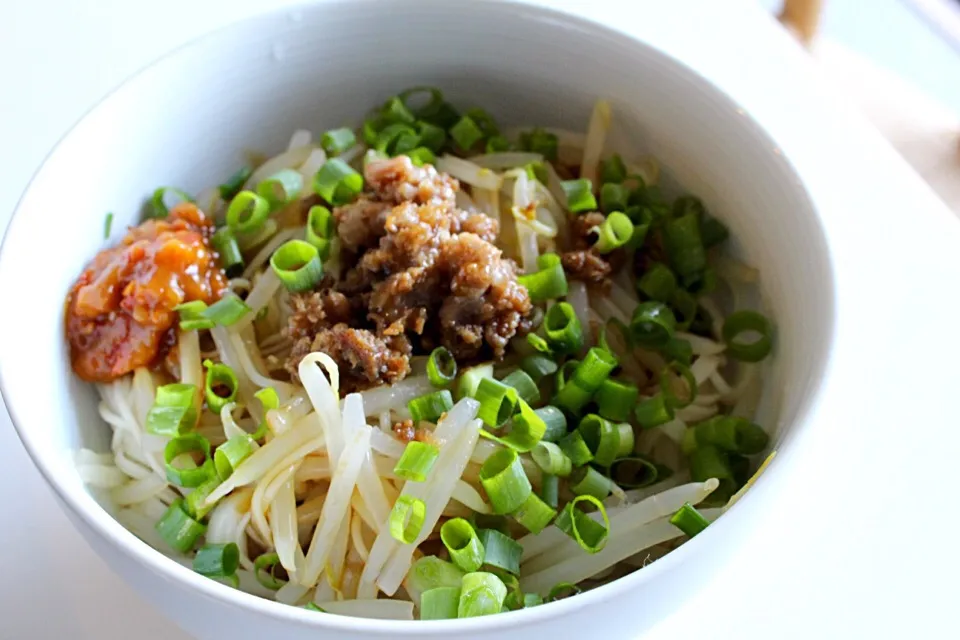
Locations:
{"points": [[186, 121]]}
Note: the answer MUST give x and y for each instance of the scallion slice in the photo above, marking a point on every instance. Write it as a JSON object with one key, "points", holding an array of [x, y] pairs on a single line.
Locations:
{"points": [[220, 386], [562, 328], [534, 514], [740, 323], [616, 399], [320, 229], [603, 438], [466, 133], [500, 551], [532, 600], [159, 207], [481, 594], [441, 367], [524, 384], [178, 529], [658, 283], [194, 503], [421, 156], [555, 421], [504, 480], [550, 490], [396, 110], [336, 141], [588, 533], [310, 606], [613, 169], [173, 411], [563, 590], [579, 194], [684, 246], [231, 453], [712, 231], [188, 445], [406, 518], [264, 569], [430, 406], [107, 225], [615, 232], [614, 197], [576, 448], [731, 433], [432, 137], [586, 379], [217, 560], [707, 461], [587, 481], [337, 182], [463, 544], [388, 140], [547, 283], [497, 144], [248, 211], [526, 430], [228, 251], [416, 461], [233, 185], [678, 350], [689, 520], [653, 412], [551, 458], [635, 472], [470, 380], [540, 141], [653, 324], [439, 603], [539, 344], [538, 366], [297, 264], [667, 376], [497, 402]]}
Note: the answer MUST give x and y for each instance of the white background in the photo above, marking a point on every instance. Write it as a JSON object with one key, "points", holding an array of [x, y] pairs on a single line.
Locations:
{"points": [[60, 56]]}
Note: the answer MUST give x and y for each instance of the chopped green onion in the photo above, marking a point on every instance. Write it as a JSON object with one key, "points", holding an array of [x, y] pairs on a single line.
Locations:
{"points": [[537, 366], [466, 133], [178, 529], [679, 350], [666, 385], [396, 110], [526, 430], [537, 171], [227, 311], [497, 144], [247, 212], [534, 514], [432, 137], [270, 400], [587, 481], [430, 406], [653, 412], [539, 344], [743, 322], [416, 461], [653, 324], [634, 472], [430, 572], [547, 283], [576, 448], [586, 379], [712, 231], [684, 246], [247, 241], [231, 453], [217, 560], [421, 156], [282, 187], [371, 127], [484, 121], [336, 141], [731, 433], [563, 590], [337, 183], [603, 438], [439, 603], [389, 139], [616, 399], [579, 194], [550, 490], [193, 316], [532, 600], [627, 439], [524, 384], [183, 445], [555, 421], [615, 232], [220, 378], [481, 594], [497, 402], [310, 606], [540, 141], [504, 481], [441, 367], [174, 411], [684, 307], [158, 203], [433, 104], [562, 328], [707, 461], [500, 550], [406, 518], [587, 532], [194, 502], [470, 380], [613, 197], [702, 324], [689, 520], [297, 264], [552, 459], [658, 283], [264, 568], [460, 539], [107, 225], [320, 229], [613, 169], [228, 252], [233, 185]]}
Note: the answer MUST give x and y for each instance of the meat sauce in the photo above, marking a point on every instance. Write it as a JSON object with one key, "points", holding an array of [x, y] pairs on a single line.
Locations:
{"points": [[120, 312]]}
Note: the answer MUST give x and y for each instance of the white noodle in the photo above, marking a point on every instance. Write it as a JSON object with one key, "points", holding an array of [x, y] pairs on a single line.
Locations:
{"points": [[468, 172], [385, 398], [578, 299], [596, 137], [506, 160]]}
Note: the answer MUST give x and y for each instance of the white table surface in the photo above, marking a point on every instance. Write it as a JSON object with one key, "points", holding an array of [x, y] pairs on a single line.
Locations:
{"points": [[60, 56]]}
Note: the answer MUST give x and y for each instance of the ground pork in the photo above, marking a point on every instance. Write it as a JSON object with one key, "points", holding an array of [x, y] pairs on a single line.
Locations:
{"points": [[583, 262]]}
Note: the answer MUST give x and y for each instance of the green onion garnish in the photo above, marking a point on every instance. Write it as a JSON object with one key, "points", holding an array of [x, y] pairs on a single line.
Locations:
{"points": [[526, 430], [336, 141], [555, 421], [416, 461], [396, 110], [406, 518], [432, 137], [588, 533], [220, 386], [653, 412], [390, 137], [562, 328], [678, 350], [666, 385], [470, 380], [481, 594], [539, 344], [731, 433], [337, 183], [264, 569], [524, 384], [233, 185], [430, 572], [653, 324], [603, 438], [297, 264], [562, 590], [550, 490], [547, 283], [439, 603], [227, 311], [310, 606], [320, 230], [430, 406], [586, 379], [193, 316], [579, 195], [231, 453], [421, 156], [634, 472], [504, 481], [587, 481], [217, 560], [497, 402], [743, 322], [193, 504], [107, 225], [712, 231], [484, 121], [613, 169], [658, 283], [158, 203], [684, 307], [537, 171], [689, 520], [282, 187], [576, 448], [615, 232], [466, 133], [534, 514], [538, 366], [500, 550], [178, 529], [441, 367], [173, 411], [540, 141], [228, 252], [497, 144], [613, 197], [616, 399], [460, 539], [188, 445], [707, 461], [247, 212], [684, 246], [552, 459], [532, 600]]}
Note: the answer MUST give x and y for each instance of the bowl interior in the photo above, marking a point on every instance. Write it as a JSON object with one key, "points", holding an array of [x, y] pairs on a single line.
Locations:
{"points": [[188, 120]]}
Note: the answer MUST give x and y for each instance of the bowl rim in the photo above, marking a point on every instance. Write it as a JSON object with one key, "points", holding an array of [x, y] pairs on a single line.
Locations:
{"points": [[73, 494]]}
